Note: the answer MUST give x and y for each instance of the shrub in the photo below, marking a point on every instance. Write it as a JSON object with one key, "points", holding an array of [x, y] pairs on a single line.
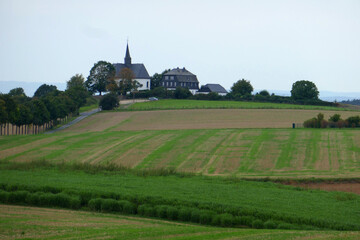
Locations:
{"points": [[258, 224], [195, 216], [246, 220], [161, 211], [146, 210], [285, 226], [128, 207], [17, 197], [4, 196], [269, 224], [185, 214], [353, 121], [109, 101], [172, 213], [95, 204], [206, 216], [226, 220], [110, 205]]}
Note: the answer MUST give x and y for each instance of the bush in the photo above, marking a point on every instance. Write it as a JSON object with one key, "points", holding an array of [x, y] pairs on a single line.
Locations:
{"points": [[4, 196], [206, 216], [128, 207], [285, 226], [161, 211], [269, 224], [146, 210], [17, 197], [195, 216], [226, 220], [246, 220], [182, 93], [109, 101], [172, 213], [258, 224], [184, 214], [95, 204], [110, 205]]}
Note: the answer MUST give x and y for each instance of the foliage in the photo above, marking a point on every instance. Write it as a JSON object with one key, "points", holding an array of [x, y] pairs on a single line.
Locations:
{"points": [[17, 92], [109, 101], [242, 88], [101, 74], [156, 79], [182, 93], [40, 113], [179, 199], [77, 91], [45, 90], [304, 90], [335, 121]]}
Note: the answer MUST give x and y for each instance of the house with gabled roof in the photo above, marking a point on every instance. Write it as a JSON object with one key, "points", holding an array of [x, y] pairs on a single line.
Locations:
{"points": [[208, 88], [139, 70], [180, 77]]}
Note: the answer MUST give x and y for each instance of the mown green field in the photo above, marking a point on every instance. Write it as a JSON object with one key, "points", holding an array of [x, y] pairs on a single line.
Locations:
{"points": [[42, 223], [236, 152], [203, 104], [259, 200]]}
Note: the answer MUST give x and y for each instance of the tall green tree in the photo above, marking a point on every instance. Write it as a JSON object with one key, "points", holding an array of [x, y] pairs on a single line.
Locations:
{"points": [[100, 76], [3, 114], [156, 79], [304, 90], [45, 90], [17, 92], [242, 88], [76, 90]]}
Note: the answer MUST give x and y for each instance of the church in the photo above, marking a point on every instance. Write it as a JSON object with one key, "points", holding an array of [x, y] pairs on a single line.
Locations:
{"points": [[139, 70]]}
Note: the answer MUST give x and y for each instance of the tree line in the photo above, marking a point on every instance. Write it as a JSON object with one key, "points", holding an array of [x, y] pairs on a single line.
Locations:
{"points": [[20, 114], [334, 121]]}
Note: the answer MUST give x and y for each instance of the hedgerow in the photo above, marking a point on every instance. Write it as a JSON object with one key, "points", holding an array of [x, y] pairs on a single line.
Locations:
{"points": [[196, 212]]}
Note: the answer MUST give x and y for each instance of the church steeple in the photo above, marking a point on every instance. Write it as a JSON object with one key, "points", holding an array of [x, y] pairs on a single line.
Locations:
{"points": [[127, 56]]}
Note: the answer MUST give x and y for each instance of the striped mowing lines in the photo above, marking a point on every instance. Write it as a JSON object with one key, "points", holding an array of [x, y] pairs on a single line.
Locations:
{"points": [[245, 152]]}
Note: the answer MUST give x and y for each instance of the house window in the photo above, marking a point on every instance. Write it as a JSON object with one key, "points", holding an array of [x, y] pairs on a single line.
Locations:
{"points": [[147, 84], [166, 77], [171, 77]]}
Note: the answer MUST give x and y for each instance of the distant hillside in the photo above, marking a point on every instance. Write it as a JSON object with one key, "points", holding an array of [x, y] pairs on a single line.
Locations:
{"points": [[352, 102], [29, 87]]}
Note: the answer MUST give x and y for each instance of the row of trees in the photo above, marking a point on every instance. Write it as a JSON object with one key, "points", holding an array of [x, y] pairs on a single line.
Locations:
{"points": [[48, 107], [334, 121]]}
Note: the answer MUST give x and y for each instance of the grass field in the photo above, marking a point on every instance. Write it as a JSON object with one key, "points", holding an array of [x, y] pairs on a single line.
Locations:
{"points": [[240, 152], [202, 104], [265, 200], [199, 119], [42, 223]]}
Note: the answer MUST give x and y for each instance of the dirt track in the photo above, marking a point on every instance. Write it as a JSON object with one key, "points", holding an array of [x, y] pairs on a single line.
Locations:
{"points": [[342, 187]]}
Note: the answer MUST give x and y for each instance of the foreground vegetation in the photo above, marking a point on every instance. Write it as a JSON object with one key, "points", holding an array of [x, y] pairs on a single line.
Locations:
{"points": [[240, 152], [203, 104], [29, 222], [205, 200]]}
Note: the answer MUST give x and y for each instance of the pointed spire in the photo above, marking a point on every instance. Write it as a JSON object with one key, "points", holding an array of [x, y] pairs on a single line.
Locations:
{"points": [[127, 56]]}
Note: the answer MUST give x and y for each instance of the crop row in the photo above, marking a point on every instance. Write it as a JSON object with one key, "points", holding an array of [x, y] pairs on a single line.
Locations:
{"points": [[196, 212]]}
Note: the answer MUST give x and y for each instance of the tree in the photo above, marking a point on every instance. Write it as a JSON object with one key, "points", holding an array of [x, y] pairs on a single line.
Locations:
{"points": [[40, 113], [109, 101], [264, 93], [182, 93], [156, 79], [45, 90], [76, 90], [304, 90], [242, 88], [3, 114], [17, 92], [100, 76]]}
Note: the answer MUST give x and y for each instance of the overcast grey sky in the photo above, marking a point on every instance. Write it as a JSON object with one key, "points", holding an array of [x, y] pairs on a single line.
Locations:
{"points": [[272, 43]]}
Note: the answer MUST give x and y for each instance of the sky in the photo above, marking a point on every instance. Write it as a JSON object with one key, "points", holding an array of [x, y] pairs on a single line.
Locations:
{"points": [[271, 43]]}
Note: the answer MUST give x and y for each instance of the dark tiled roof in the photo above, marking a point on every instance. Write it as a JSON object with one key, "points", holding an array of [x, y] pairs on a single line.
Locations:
{"points": [[181, 75], [138, 69], [213, 88]]}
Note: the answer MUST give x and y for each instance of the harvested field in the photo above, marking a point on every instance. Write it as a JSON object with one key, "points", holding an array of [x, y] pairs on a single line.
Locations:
{"points": [[341, 187], [198, 119], [43, 223], [298, 153]]}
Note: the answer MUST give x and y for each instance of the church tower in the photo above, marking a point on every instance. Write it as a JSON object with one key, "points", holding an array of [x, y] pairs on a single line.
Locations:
{"points": [[127, 57]]}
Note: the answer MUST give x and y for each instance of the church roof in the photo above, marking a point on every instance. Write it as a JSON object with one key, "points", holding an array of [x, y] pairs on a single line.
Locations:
{"points": [[213, 88], [138, 69]]}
